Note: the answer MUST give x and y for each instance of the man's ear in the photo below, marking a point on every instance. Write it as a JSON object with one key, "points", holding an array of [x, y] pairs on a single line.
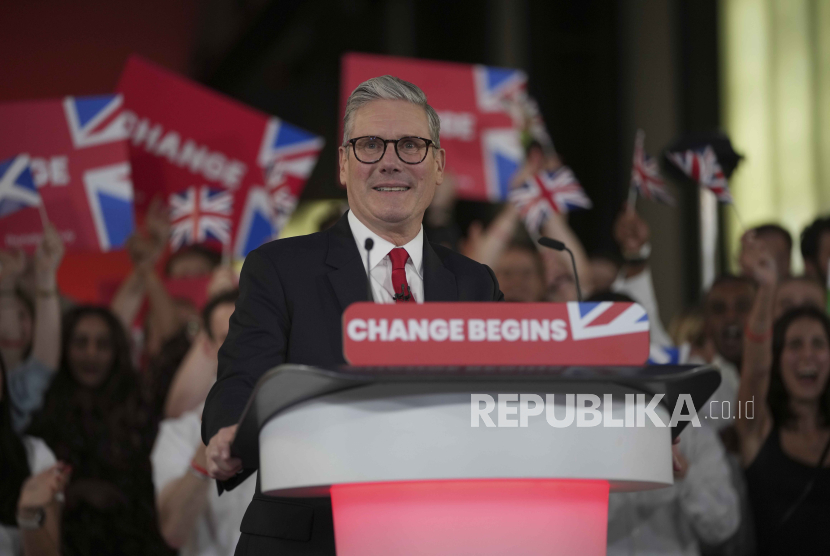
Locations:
{"points": [[343, 155], [440, 161]]}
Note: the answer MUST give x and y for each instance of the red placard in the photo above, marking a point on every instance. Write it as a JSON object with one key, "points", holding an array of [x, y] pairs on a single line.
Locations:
{"points": [[231, 174], [483, 148], [80, 165], [520, 334]]}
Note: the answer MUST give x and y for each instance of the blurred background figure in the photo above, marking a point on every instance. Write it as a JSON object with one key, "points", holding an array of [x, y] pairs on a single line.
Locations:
{"points": [[31, 487], [785, 439], [97, 417], [30, 331], [193, 518]]}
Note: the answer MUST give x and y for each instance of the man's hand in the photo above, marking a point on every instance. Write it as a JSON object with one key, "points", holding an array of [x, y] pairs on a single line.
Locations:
{"points": [[630, 232], [220, 465], [757, 261]]}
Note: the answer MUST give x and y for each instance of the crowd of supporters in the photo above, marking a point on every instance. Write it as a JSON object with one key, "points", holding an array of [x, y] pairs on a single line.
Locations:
{"points": [[100, 406]]}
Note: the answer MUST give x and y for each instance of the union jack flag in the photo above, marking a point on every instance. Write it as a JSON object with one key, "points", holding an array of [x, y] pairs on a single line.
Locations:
{"points": [[603, 319], [496, 87], [17, 187], [95, 120], [546, 193], [200, 214], [702, 166], [288, 154], [645, 174]]}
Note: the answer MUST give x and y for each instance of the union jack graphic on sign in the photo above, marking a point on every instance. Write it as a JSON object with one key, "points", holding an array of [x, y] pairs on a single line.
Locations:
{"points": [[288, 153], [200, 214], [17, 187], [546, 193], [604, 319], [95, 120], [704, 168], [495, 87], [109, 190], [645, 174]]}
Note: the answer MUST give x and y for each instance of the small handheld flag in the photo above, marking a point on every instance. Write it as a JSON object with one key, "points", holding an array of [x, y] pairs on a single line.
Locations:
{"points": [[17, 186], [645, 174], [548, 192], [703, 167]]}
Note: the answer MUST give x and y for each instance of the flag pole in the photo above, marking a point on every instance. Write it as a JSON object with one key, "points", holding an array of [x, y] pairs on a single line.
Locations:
{"points": [[44, 218], [632, 197], [738, 216]]}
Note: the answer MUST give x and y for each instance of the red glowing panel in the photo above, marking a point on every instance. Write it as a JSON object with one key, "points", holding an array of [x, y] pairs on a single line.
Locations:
{"points": [[481, 517]]}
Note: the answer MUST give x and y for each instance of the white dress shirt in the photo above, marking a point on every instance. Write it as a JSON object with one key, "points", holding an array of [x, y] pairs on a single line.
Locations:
{"points": [[381, 272]]}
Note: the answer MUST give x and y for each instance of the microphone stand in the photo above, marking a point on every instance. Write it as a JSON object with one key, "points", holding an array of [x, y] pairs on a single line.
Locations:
{"points": [[559, 246]]}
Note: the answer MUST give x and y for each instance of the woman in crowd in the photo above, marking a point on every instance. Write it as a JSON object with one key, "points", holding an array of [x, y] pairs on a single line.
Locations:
{"points": [[97, 417], [784, 432], [31, 484], [30, 330]]}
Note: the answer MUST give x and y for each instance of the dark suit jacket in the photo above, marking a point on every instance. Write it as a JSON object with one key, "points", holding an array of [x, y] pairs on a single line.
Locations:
{"points": [[292, 293]]}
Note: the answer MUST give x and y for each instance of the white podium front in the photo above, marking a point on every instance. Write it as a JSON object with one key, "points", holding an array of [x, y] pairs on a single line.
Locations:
{"points": [[413, 468]]}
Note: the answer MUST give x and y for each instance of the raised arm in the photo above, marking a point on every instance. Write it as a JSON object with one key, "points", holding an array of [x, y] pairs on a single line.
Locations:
{"points": [[12, 338], [193, 378], [46, 341], [487, 245], [182, 500], [632, 233], [757, 350]]}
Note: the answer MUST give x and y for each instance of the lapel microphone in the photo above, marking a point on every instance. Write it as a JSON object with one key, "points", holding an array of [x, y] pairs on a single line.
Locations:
{"points": [[557, 245], [368, 244]]}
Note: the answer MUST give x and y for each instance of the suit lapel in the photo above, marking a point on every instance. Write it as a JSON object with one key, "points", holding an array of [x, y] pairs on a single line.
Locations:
{"points": [[348, 277], [439, 283]]}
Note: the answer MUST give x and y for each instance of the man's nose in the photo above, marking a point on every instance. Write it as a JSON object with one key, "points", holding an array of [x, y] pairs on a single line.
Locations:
{"points": [[390, 161]]}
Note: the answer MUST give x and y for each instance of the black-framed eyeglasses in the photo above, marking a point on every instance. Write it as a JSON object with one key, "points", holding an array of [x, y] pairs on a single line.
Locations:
{"points": [[370, 149]]}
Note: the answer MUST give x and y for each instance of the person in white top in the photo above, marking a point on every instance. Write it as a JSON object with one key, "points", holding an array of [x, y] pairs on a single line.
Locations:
{"points": [[31, 489], [192, 515]]}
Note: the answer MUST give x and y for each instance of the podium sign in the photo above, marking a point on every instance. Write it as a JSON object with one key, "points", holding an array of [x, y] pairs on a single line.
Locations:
{"points": [[475, 334]]}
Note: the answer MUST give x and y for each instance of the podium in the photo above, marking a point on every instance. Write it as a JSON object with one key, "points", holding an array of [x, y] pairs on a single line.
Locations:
{"points": [[408, 473]]}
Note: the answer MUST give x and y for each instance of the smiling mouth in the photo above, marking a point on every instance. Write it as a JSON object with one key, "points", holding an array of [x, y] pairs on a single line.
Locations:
{"points": [[391, 188]]}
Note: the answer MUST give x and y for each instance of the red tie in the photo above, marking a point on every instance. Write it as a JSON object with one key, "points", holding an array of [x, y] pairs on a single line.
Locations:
{"points": [[399, 256]]}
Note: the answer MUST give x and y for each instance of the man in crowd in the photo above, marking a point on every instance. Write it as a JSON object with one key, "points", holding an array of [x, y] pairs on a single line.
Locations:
{"points": [[193, 518], [815, 249], [293, 291]]}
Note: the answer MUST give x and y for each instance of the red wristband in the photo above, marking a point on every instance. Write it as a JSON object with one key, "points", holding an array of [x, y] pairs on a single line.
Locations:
{"points": [[199, 469], [757, 338]]}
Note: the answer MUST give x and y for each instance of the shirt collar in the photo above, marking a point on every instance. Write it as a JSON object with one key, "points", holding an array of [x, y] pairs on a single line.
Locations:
{"points": [[415, 248]]}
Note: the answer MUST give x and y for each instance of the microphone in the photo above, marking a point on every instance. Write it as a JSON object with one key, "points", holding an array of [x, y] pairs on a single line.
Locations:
{"points": [[368, 244], [559, 246]]}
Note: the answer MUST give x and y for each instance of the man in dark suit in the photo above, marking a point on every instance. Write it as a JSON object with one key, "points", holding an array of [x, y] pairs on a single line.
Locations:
{"points": [[292, 292]]}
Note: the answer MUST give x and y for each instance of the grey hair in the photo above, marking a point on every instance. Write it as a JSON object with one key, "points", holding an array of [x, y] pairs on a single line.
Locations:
{"points": [[389, 87]]}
